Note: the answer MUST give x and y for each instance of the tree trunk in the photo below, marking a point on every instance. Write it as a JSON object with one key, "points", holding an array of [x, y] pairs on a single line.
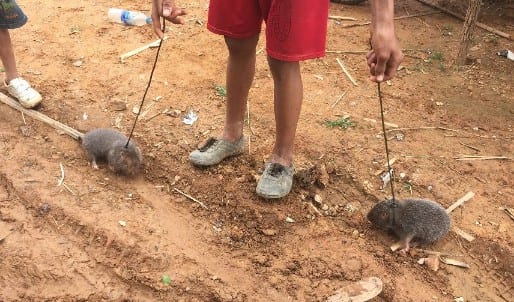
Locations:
{"points": [[469, 28]]}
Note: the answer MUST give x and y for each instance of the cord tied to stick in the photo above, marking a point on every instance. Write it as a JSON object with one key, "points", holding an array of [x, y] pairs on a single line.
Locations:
{"points": [[148, 84], [389, 169]]}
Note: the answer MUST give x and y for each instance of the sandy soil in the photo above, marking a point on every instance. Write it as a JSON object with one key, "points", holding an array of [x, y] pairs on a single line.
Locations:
{"points": [[66, 243]]}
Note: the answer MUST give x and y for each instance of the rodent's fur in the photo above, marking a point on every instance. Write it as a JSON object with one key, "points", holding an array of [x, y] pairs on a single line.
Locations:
{"points": [[417, 220], [109, 145]]}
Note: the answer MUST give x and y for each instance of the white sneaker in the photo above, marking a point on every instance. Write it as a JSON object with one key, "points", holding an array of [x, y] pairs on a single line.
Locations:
{"points": [[21, 90]]}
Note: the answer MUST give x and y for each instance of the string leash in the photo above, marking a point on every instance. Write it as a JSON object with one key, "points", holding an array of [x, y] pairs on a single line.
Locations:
{"points": [[389, 169], [148, 84]]}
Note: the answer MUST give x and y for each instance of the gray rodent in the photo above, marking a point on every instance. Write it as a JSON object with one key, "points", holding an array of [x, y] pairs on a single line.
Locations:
{"points": [[415, 221], [109, 145]]}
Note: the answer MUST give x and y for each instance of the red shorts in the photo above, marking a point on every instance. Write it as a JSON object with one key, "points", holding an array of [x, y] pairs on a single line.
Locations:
{"points": [[295, 29]]}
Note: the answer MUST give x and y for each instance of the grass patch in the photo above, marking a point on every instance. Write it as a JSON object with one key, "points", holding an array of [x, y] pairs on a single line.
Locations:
{"points": [[220, 90], [342, 123]]}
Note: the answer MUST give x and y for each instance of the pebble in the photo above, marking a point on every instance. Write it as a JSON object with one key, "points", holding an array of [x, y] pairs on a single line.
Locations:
{"points": [[269, 232]]}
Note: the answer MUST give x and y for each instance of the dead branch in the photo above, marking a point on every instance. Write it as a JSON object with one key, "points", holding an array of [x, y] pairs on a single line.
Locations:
{"points": [[481, 25], [396, 18], [41, 117], [346, 72], [191, 198], [460, 201]]}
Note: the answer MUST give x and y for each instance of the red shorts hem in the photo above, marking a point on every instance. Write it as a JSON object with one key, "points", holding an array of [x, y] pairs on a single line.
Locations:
{"points": [[295, 58], [229, 34]]}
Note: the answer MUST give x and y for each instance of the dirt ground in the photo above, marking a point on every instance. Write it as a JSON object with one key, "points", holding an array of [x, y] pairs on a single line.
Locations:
{"points": [[102, 237]]}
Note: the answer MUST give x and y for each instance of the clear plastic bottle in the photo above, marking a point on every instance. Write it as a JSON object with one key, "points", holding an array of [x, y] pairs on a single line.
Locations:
{"points": [[128, 17]]}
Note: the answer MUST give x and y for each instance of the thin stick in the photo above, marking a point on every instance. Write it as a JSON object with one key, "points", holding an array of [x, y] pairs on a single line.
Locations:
{"points": [[140, 49], [351, 52], [341, 18], [423, 128], [509, 212], [469, 157], [315, 209], [248, 115], [463, 234], [346, 72], [339, 99], [397, 18], [23, 118], [359, 52], [481, 25], [68, 188], [386, 123], [41, 117], [153, 116], [436, 253], [469, 146], [460, 201], [62, 175], [191, 198]]}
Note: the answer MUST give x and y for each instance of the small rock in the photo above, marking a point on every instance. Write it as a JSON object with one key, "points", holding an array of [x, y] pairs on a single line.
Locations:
{"points": [[269, 232], [77, 63], [318, 199], [289, 220], [122, 223], [325, 207]]}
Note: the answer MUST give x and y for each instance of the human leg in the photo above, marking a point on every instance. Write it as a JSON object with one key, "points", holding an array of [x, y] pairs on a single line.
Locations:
{"points": [[288, 94], [240, 72], [16, 86], [7, 55]]}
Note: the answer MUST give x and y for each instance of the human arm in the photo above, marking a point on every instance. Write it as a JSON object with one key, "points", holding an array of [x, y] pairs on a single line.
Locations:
{"points": [[168, 10], [385, 55]]}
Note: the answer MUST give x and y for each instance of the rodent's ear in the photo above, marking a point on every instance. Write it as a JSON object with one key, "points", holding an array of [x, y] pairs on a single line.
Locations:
{"points": [[383, 215]]}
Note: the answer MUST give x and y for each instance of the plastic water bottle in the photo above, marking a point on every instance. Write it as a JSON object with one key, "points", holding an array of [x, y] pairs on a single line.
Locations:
{"points": [[128, 17]]}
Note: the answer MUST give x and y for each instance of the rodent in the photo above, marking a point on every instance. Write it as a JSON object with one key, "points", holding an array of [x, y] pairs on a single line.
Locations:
{"points": [[414, 221], [109, 145]]}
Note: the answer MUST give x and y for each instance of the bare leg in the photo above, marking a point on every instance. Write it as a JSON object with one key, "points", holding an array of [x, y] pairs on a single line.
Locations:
{"points": [[288, 95], [240, 72], [7, 55]]}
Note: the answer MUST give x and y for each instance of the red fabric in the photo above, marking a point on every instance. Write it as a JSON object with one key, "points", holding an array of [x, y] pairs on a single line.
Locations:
{"points": [[295, 29]]}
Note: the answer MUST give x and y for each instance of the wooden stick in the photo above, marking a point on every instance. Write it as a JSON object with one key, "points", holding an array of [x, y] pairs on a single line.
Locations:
{"points": [[470, 157], [374, 121], [469, 146], [460, 201], [339, 99], [481, 25], [141, 48], [191, 198], [346, 72], [340, 18], [248, 116], [436, 253], [463, 234], [61, 180], [41, 117], [396, 18], [359, 52], [423, 128]]}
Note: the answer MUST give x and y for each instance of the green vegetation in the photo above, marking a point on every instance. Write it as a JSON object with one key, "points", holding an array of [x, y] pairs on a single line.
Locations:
{"points": [[343, 123], [220, 90]]}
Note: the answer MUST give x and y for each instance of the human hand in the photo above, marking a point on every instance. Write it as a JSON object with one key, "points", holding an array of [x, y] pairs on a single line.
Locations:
{"points": [[168, 10], [385, 55]]}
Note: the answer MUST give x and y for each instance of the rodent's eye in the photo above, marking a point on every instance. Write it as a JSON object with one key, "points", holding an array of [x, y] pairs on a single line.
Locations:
{"points": [[383, 215]]}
